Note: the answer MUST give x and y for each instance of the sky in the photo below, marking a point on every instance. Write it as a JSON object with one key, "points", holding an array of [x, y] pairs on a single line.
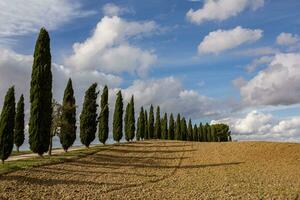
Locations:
{"points": [[215, 61]]}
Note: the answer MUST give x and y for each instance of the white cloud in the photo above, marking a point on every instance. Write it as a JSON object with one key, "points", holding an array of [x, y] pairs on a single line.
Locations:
{"points": [[257, 125], [220, 10], [171, 96], [111, 9], [258, 62], [221, 40], [278, 84], [18, 17], [108, 49], [260, 51], [287, 39]]}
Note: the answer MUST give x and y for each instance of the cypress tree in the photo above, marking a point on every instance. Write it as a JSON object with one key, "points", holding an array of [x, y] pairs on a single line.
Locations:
{"points": [[177, 128], [88, 116], [131, 119], [208, 132], [171, 128], [164, 127], [195, 133], [41, 96], [157, 129], [141, 126], [146, 133], [138, 136], [68, 118], [118, 118], [200, 133], [213, 133], [151, 123], [204, 133], [127, 123], [103, 127], [19, 135], [183, 128], [7, 122], [190, 131]]}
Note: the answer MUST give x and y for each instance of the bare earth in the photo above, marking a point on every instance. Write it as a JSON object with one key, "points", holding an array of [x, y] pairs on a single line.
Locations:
{"points": [[166, 170]]}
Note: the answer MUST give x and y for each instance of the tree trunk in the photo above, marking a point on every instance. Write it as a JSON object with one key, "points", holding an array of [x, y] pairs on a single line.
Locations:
{"points": [[18, 149], [50, 146], [2, 162]]}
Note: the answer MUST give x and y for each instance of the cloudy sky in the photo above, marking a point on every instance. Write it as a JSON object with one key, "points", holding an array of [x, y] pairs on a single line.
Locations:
{"points": [[233, 61]]}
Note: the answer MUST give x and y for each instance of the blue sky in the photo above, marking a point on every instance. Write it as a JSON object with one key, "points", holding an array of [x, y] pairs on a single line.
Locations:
{"points": [[235, 61]]}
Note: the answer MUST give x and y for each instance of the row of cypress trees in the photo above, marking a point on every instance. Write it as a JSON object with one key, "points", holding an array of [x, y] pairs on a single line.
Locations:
{"points": [[41, 115]]}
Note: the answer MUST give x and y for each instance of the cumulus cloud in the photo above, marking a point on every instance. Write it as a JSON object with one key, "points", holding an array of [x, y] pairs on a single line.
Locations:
{"points": [[220, 10], [221, 40], [170, 94], [257, 125], [19, 18], [111, 9], [278, 84], [258, 62], [287, 39], [108, 49]]}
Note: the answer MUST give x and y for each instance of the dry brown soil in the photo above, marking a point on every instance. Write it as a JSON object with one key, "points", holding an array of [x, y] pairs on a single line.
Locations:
{"points": [[166, 170]]}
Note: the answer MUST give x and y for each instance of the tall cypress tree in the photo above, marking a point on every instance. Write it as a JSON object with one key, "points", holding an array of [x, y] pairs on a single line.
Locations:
{"points": [[141, 126], [131, 119], [195, 133], [164, 127], [118, 118], [151, 123], [183, 128], [146, 134], [41, 96], [88, 116], [127, 123], [19, 135], [7, 122], [190, 131], [171, 130], [178, 128], [68, 118], [213, 133], [157, 128], [138, 136], [103, 127], [200, 133], [208, 132]]}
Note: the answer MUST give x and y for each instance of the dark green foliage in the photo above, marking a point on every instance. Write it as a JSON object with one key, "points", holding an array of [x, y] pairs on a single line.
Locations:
{"points": [[41, 95], [118, 118], [151, 123], [195, 133], [7, 122], [171, 130], [183, 128], [103, 127], [19, 135], [141, 125], [146, 135], [131, 119], [208, 132], [178, 128], [68, 118], [200, 133], [222, 132], [164, 127], [190, 131], [213, 133], [157, 129], [88, 116], [127, 123]]}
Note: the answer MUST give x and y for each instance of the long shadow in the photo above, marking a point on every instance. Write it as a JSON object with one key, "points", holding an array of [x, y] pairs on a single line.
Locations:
{"points": [[52, 182], [158, 146], [145, 151], [153, 165], [109, 156], [89, 172]]}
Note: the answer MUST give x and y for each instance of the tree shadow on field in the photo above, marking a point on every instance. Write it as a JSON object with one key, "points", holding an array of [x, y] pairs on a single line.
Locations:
{"points": [[157, 146], [146, 151], [109, 157]]}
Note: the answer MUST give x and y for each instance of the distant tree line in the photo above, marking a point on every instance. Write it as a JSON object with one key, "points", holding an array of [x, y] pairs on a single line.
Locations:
{"points": [[49, 118]]}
